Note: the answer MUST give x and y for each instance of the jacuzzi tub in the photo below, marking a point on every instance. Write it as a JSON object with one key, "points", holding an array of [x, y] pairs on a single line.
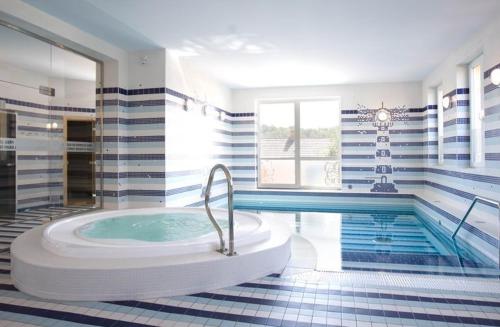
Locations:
{"points": [[65, 237], [63, 261]]}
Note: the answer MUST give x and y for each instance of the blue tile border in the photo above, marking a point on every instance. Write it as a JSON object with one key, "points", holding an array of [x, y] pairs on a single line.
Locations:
{"points": [[325, 194], [47, 107], [157, 90]]}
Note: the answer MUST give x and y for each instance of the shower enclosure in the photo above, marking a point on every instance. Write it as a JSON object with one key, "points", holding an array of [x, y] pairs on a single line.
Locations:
{"points": [[50, 109]]}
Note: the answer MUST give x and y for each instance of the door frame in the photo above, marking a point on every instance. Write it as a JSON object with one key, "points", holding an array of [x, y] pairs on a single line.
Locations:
{"points": [[66, 119]]}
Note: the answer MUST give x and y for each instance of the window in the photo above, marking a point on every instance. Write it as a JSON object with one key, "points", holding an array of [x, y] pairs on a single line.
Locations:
{"points": [[311, 162], [440, 124], [476, 113]]}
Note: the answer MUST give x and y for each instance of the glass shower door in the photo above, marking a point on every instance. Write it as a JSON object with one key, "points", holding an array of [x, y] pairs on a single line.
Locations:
{"points": [[43, 90], [25, 143]]}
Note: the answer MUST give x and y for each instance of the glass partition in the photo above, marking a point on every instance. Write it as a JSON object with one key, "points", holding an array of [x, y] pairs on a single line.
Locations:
{"points": [[47, 126]]}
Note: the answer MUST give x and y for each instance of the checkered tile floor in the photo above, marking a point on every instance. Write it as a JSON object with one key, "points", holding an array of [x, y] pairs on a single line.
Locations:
{"points": [[13, 225], [299, 297]]}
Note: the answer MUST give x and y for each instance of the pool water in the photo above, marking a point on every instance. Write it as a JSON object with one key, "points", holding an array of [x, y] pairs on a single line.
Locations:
{"points": [[162, 227], [388, 233], [392, 241]]}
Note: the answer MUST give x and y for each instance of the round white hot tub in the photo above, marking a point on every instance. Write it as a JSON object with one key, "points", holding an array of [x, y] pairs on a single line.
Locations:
{"points": [[148, 233], [144, 253]]}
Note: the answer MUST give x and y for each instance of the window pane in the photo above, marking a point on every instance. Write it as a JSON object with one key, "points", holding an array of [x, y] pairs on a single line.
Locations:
{"points": [[277, 128], [277, 171], [319, 129], [476, 113], [320, 173], [440, 127], [277, 142], [320, 139]]}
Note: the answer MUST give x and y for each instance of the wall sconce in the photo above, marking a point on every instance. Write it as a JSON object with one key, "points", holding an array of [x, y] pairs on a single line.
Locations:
{"points": [[495, 76], [52, 125], [446, 102], [193, 105], [188, 104]]}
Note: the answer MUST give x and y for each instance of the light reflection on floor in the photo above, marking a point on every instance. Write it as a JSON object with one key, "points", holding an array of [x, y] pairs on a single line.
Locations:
{"points": [[316, 235]]}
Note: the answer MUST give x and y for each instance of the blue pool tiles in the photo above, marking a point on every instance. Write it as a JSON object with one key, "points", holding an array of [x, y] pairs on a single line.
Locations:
{"points": [[395, 241]]}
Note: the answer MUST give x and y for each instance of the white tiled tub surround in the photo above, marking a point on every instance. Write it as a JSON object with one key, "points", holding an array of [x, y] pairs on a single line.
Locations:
{"points": [[67, 275]]}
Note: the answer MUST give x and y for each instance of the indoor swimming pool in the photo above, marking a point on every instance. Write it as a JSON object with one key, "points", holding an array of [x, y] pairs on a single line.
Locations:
{"points": [[250, 163], [392, 240]]}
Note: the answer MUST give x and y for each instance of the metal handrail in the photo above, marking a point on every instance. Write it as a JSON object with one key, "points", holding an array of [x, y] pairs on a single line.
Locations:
{"points": [[477, 198], [230, 209]]}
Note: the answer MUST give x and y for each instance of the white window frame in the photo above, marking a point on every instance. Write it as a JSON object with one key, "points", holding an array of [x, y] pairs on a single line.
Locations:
{"points": [[440, 124], [476, 110], [297, 157]]}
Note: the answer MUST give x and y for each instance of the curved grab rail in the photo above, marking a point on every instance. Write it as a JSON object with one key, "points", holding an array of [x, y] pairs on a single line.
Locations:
{"points": [[229, 180], [483, 200], [476, 198]]}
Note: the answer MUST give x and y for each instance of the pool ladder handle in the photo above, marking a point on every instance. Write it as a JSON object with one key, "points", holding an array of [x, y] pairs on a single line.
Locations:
{"points": [[222, 248], [483, 200]]}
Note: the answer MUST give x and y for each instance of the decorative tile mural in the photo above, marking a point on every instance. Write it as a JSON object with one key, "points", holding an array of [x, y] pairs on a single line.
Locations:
{"points": [[383, 119]]}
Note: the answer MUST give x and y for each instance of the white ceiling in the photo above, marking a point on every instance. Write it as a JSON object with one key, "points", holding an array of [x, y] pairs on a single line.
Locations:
{"points": [[261, 43]]}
